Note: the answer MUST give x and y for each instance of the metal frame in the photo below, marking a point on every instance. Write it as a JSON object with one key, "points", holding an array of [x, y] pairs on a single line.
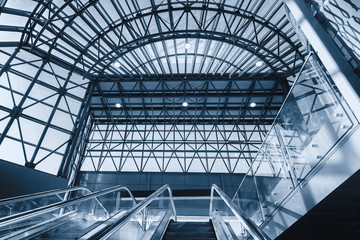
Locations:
{"points": [[135, 23], [172, 147], [155, 76]]}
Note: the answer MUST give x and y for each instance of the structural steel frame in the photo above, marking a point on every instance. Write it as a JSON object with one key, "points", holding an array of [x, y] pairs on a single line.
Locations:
{"points": [[76, 43]]}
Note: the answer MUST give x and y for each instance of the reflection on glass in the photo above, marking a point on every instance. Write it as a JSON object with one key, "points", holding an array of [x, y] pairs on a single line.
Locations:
{"points": [[312, 120], [22, 204], [70, 221], [145, 223]]}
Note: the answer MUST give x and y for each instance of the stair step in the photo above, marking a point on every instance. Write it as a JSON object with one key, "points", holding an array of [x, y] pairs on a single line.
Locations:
{"points": [[190, 224], [207, 238], [190, 230], [190, 235]]}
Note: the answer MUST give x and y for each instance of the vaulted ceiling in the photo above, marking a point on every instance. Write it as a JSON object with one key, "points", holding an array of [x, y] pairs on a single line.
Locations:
{"points": [[152, 62]]}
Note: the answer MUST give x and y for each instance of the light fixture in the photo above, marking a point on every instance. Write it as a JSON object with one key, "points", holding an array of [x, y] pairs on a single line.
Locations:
{"points": [[185, 104], [252, 104], [116, 64], [187, 45], [118, 105], [259, 63]]}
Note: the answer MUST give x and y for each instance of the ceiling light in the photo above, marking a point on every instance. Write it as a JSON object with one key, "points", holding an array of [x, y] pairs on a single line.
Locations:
{"points": [[252, 104], [187, 45], [185, 104], [116, 64], [118, 105], [259, 63]]}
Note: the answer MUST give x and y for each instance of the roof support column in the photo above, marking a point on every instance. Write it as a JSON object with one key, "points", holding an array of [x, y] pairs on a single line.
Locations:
{"points": [[340, 71], [69, 166]]}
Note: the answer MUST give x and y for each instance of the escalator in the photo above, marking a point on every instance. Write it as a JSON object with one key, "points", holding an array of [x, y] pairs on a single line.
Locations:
{"points": [[61, 214], [190, 230], [113, 213]]}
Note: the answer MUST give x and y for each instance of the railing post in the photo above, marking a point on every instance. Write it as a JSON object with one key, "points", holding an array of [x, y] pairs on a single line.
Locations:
{"points": [[143, 220]]}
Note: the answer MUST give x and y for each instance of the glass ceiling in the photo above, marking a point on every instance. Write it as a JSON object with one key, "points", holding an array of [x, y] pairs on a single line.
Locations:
{"points": [[72, 68]]}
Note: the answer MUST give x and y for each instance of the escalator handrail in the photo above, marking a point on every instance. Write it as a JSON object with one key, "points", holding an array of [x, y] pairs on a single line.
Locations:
{"points": [[256, 232], [42, 194], [56, 206], [46, 194], [110, 229]]}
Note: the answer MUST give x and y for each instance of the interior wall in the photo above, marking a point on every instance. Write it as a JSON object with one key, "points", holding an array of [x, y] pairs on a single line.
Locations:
{"points": [[147, 181], [18, 180]]}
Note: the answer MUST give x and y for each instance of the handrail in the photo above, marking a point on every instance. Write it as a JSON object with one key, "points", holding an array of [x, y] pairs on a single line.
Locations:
{"points": [[55, 206], [110, 229], [256, 232], [47, 193], [42, 194]]}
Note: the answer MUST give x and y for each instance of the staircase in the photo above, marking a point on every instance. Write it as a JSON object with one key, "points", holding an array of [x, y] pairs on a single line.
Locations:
{"points": [[190, 230]]}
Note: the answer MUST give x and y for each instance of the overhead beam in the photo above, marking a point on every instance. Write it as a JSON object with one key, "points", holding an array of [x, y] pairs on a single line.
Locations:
{"points": [[219, 94], [190, 77], [186, 121], [170, 108]]}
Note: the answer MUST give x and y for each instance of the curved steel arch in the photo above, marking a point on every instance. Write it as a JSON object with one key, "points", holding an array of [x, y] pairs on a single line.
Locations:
{"points": [[186, 34], [202, 55], [241, 13]]}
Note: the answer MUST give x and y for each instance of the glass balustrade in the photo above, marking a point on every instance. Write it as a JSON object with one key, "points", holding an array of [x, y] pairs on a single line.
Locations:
{"points": [[313, 120], [73, 217], [15, 205], [145, 222]]}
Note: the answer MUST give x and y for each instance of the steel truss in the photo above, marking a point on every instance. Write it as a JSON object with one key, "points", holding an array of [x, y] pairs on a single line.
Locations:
{"points": [[137, 37], [37, 122], [173, 148], [212, 99], [59, 47]]}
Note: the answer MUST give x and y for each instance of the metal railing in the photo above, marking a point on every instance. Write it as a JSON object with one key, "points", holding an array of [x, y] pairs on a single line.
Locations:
{"points": [[56, 192], [256, 232], [109, 229], [42, 194], [57, 206]]}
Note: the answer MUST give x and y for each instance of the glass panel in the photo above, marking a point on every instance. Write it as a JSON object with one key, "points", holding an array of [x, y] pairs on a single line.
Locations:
{"points": [[233, 224], [246, 198], [312, 121], [8, 207], [70, 221], [146, 221]]}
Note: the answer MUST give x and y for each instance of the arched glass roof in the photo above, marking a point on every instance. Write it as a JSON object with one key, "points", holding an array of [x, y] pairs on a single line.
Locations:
{"points": [[125, 63]]}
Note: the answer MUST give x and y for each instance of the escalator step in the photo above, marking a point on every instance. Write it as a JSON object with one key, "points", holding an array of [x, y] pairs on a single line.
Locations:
{"points": [[190, 224], [189, 235], [175, 238], [190, 229]]}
